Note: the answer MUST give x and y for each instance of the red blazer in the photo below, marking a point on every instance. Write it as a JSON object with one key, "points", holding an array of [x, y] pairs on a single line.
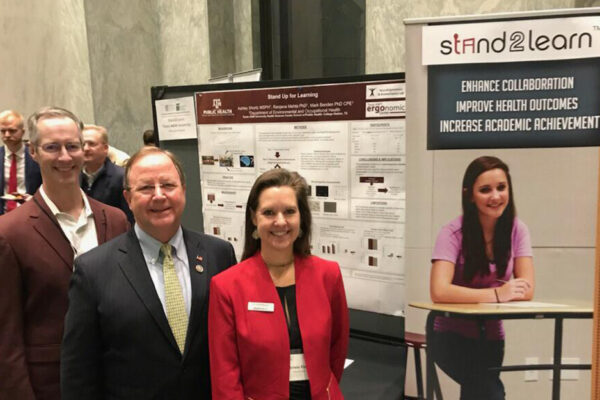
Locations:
{"points": [[250, 350], [36, 263]]}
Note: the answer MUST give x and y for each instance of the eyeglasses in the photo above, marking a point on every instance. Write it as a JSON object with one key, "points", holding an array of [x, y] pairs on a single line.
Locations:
{"points": [[12, 131], [150, 189], [53, 148]]}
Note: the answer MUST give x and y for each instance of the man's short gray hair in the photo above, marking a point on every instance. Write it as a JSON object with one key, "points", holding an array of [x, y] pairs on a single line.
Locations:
{"points": [[47, 113], [147, 150]]}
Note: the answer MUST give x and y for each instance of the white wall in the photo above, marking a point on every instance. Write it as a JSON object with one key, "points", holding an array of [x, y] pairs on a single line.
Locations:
{"points": [[100, 58], [44, 56], [124, 54]]}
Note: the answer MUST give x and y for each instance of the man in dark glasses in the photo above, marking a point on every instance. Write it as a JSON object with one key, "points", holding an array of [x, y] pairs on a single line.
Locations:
{"points": [[38, 243]]}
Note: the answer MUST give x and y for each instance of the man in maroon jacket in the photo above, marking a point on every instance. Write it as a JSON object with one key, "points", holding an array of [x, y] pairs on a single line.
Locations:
{"points": [[38, 243]]}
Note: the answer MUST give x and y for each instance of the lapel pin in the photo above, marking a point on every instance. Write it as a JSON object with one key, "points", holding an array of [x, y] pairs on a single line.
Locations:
{"points": [[199, 258], [200, 268]]}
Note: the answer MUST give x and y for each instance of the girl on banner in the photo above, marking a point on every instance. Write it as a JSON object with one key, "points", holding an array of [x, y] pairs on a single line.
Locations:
{"points": [[483, 256], [278, 320]]}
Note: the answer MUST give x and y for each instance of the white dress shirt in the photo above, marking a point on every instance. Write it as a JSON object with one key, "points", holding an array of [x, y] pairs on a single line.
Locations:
{"points": [[151, 250], [80, 232]]}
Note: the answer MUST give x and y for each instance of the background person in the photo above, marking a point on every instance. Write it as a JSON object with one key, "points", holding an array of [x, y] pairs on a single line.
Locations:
{"points": [[136, 324], [100, 178], [20, 174], [482, 256], [148, 138], [280, 309], [38, 242]]}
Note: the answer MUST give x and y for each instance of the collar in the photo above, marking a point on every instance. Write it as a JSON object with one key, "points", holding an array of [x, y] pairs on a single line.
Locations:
{"points": [[93, 175], [19, 153], [151, 247], [55, 211]]}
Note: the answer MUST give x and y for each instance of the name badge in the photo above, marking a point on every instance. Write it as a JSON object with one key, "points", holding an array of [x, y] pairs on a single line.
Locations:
{"points": [[298, 368], [264, 307]]}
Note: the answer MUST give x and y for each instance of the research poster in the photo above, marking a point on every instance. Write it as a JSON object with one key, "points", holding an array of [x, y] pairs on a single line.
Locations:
{"points": [[348, 141], [523, 83]]}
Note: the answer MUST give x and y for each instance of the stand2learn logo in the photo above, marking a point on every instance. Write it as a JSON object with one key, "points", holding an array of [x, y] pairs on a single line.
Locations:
{"points": [[522, 40], [517, 41]]}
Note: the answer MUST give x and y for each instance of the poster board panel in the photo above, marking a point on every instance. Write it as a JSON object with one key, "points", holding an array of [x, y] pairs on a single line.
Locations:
{"points": [[368, 322], [347, 140]]}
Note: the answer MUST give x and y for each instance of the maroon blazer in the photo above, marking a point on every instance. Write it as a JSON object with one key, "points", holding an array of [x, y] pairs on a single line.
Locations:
{"points": [[250, 350], [36, 263]]}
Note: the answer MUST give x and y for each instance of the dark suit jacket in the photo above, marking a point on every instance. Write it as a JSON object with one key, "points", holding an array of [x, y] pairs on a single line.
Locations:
{"points": [[118, 343], [33, 178], [36, 264], [108, 187], [250, 350]]}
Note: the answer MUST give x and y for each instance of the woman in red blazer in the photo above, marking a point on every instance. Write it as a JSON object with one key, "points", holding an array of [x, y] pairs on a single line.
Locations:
{"points": [[278, 320]]}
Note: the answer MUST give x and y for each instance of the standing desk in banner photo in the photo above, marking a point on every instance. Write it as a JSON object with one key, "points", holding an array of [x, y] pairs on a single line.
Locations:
{"points": [[511, 310]]}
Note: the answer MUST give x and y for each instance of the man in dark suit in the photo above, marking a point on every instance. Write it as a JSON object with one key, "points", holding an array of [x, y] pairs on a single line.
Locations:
{"points": [[136, 327], [20, 174], [100, 178], [38, 242]]}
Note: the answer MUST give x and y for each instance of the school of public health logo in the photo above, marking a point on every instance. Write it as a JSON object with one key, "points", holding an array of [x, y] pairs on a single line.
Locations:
{"points": [[378, 109], [217, 110]]}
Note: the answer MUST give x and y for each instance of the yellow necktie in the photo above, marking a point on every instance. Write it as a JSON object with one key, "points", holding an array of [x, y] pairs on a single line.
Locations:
{"points": [[176, 314]]}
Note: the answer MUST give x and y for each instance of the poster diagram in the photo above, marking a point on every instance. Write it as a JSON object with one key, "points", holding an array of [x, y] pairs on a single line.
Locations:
{"points": [[348, 142]]}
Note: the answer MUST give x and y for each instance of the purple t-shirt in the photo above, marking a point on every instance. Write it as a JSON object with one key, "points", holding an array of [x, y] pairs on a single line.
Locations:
{"points": [[448, 247]]}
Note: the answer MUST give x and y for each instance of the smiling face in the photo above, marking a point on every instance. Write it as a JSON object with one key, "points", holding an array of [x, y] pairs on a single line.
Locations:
{"points": [[58, 151], [156, 196], [491, 193], [277, 220]]}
